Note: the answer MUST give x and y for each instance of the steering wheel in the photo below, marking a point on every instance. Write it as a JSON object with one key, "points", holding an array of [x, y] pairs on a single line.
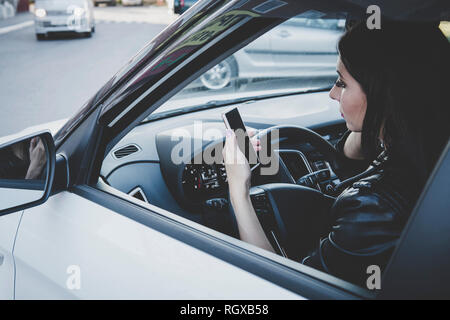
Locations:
{"points": [[298, 135], [293, 216]]}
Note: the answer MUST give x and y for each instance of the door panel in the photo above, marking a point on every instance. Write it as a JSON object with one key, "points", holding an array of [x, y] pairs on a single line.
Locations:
{"points": [[71, 247], [8, 228]]}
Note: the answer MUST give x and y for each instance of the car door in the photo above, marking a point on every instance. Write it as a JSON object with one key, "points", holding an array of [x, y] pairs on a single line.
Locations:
{"points": [[305, 47], [75, 247], [256, 59], [87, 241], [21, 184], [8, 228]]}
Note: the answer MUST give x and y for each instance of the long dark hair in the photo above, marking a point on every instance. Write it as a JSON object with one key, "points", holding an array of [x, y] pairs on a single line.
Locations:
{"points": [[404, 70]]}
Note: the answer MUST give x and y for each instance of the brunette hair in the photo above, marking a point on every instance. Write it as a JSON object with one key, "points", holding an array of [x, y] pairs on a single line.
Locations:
{"points": [[404, 70]]}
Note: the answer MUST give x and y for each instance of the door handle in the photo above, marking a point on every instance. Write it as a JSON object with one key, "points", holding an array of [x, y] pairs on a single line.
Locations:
{"points": [[284, 33]]}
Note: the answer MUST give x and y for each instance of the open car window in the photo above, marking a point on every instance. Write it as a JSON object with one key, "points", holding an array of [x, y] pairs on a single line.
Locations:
{"points": [[295, 57], [298, 55]]}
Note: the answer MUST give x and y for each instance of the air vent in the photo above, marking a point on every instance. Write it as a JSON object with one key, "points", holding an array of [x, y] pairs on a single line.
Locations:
{"points": [[138, 193], [125, 151]]}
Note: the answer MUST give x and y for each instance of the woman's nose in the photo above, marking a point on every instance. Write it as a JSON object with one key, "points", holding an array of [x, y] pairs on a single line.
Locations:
{"points": [[334, 94]]}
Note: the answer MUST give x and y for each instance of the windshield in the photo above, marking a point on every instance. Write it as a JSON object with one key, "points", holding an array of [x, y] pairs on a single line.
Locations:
{"points": [[297, 55]]}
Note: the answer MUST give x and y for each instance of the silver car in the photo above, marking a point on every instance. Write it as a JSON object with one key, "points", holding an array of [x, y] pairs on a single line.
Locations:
{"points": [[51, 16], [107, 2], [299, 47], [132, 2]]}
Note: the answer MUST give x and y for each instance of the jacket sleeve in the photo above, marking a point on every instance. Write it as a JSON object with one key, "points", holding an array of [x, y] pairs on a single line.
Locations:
{"points": [[364, 232]]}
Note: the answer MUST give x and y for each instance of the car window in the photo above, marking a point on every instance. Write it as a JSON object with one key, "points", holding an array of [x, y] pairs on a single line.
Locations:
{"points": [[299, 54], [296, 56]]}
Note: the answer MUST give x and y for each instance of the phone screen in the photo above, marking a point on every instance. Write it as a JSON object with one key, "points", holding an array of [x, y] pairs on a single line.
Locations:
{"points": [[234, 122]]}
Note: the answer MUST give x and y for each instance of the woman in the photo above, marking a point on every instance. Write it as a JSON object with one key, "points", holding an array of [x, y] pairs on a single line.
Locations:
{"points": [[391, 92]]}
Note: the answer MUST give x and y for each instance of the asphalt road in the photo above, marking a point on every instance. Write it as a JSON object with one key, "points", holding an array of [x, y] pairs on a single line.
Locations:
{"points": [[42, 81]]}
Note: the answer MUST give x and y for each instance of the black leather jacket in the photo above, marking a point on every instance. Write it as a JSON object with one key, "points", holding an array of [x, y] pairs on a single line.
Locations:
{"points": [[366, 221]]}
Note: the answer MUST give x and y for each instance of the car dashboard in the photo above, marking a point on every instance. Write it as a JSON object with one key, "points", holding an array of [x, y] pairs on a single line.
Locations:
{"points": [[142, 163]]}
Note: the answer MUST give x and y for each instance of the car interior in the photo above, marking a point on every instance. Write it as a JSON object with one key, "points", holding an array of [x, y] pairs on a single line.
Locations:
{"points": [[295, 101], [140, 164]]}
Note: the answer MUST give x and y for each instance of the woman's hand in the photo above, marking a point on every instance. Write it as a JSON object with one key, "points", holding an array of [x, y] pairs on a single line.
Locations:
{"points": [[38, 158], [236, 165], [238, 174]]}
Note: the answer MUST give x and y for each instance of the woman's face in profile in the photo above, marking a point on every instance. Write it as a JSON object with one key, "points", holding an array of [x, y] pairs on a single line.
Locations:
{"points": [[352, 99]]}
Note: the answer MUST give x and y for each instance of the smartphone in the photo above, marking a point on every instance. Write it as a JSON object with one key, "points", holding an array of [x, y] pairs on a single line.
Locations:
{"points": [[233, 121]]}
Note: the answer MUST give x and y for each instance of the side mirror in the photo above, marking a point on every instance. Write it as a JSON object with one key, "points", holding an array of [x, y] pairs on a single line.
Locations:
{"points": [[27, 168]]}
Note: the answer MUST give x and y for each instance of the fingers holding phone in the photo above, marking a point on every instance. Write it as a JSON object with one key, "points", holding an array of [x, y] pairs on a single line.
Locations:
{"points": [[236, 164], [233, 121]]}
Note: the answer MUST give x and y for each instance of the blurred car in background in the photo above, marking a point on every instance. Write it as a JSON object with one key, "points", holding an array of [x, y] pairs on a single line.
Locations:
{"points": [[107, 2], [180, 6], [170, 4], [299, 47], [55, 16], [132, 2]]}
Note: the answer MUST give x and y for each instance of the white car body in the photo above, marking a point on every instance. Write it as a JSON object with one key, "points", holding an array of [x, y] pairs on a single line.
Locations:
{"points": [[72, 248], [64, 16], [132, 2], [116, 258]]}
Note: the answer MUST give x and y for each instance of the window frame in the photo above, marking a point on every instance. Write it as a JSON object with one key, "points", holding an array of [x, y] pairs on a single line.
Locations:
{"points": [[305, 281]]}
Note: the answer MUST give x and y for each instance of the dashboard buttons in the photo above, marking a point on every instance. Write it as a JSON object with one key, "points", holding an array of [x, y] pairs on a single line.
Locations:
{"points": [[201, 181], [260, 203]]}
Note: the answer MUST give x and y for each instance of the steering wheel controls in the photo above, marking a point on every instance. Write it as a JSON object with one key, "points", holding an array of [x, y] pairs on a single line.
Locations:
{"points": [[266, 217], [260, 202]]}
